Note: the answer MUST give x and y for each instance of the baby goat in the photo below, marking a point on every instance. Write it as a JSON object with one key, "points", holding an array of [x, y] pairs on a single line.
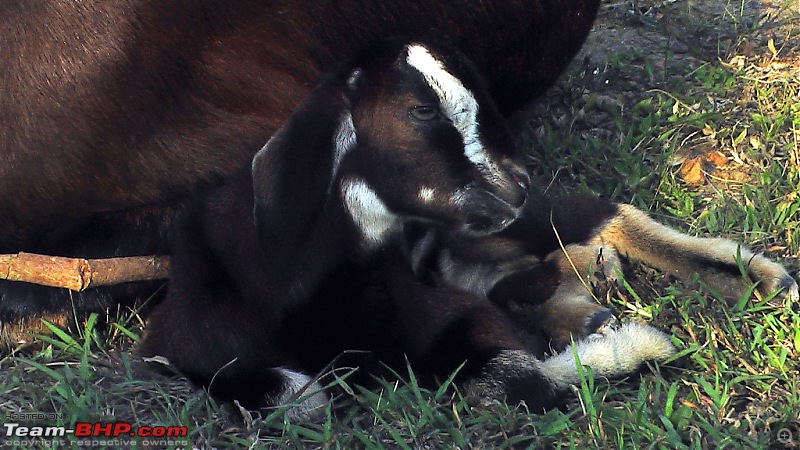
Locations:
{"points": [[386, 215]]}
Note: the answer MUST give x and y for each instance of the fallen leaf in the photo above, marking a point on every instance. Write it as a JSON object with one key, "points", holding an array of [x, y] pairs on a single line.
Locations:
{"points": [[692, 171], [718, 159], [737, 61]]}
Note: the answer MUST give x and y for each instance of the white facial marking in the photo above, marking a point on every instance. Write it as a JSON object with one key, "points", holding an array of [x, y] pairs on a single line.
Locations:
{"points": [[368, 211], [426, 194], [458, 102], [343, 141]]}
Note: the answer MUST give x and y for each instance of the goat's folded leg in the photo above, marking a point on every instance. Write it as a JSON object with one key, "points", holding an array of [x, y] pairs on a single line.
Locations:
{"points": [[560, 287], [439, 328]]}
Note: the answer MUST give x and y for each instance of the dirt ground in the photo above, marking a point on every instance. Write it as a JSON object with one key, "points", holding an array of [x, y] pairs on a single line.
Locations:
{"points": [[638, 47]]}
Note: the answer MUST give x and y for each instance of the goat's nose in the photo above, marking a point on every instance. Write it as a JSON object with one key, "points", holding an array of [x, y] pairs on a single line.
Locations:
{"points": [[519, 175], [517, 183]]}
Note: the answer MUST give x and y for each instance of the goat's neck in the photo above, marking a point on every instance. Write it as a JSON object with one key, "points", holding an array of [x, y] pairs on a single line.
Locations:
{"points": [[332, 239]]}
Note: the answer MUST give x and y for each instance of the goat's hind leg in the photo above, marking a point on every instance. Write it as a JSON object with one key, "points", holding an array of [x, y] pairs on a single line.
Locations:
{"points": [[573, 312], [439, 327], [448, 326], [558, 292], [716, 260], [565, 233]]}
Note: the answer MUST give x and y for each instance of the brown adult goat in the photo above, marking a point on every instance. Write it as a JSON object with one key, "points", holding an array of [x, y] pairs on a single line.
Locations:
{"points": [[112, 112], [114, 105]]}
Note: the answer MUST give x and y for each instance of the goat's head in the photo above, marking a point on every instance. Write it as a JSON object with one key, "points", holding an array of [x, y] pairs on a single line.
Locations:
{"points": [[412, 135]]}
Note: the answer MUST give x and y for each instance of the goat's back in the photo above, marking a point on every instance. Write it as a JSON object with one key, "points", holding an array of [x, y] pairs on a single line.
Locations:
{"points": [[107, 106]]}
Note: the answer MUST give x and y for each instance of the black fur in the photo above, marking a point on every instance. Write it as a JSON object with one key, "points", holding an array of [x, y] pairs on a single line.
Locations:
{"points": [[319, 248], [110, 110], [270, 270]]}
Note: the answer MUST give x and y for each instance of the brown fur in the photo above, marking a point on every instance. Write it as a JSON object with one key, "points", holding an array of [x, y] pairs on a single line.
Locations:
{"points": [[107, 106], [112, 113], [551, 255]]}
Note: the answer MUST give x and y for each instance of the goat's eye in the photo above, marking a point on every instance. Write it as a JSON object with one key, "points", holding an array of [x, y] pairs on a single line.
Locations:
{"points": [[424, 112]]}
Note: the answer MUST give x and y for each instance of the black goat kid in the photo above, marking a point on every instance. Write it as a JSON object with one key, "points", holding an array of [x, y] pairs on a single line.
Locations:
{"points": [[404, 136], [379, 218]]}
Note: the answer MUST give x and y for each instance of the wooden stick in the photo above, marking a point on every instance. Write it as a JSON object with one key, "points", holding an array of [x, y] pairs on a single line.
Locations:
{"points": [[79, 274]]}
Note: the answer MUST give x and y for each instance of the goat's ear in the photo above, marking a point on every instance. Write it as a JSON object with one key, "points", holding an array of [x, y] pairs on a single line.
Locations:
{"points": [[293, 171]]}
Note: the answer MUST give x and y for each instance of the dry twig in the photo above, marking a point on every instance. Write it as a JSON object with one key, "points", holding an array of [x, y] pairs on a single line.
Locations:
{"points": [[78, 274]]}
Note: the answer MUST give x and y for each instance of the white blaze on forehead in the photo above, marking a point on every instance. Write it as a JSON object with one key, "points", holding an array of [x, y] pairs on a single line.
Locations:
{"points": [[458, 102], [368, 211]]}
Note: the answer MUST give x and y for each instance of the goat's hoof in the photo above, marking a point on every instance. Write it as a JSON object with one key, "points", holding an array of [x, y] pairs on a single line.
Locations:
{"points": [[600, 323], [788, 289]]}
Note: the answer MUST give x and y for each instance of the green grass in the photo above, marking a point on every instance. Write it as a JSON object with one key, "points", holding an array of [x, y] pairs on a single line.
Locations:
{"points": [[623, 126]]}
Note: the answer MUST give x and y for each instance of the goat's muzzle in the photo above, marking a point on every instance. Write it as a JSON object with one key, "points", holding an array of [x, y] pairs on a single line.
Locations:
{"points": [[513, 184], [492, 206]]}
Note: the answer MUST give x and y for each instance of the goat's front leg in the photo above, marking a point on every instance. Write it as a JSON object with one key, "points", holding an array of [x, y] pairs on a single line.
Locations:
{"points": [[572, 312], [438, 328], [560, 290], [442, 327], [552, 295]]}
